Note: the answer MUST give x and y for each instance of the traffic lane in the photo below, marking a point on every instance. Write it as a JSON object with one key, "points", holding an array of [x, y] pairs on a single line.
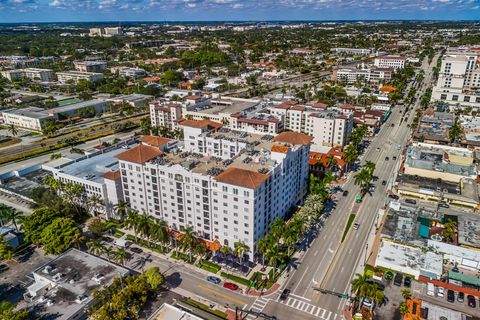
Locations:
{"points": [[180, 276], [284, 312]]}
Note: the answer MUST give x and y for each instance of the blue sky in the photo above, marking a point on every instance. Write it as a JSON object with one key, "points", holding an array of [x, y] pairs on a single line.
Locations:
{"points": [[192, 10]]}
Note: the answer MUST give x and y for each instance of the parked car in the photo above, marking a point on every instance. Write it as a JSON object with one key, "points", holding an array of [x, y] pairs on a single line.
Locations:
{"points": [[384, 183], [387, 158], [136, 250], [356, 226], [213, 279], [430, 289], [450, 296], [367, 303], [345, 193], [394, 158], [461, 297], [284, 294], [472, 303], [407, 282], [440, 292], [411, 201], [443, 205], [398, 279], [393, 125], [231, 286], [378, 149]]}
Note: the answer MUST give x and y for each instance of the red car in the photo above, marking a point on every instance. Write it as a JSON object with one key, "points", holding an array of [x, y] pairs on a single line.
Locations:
{"points": [[231, 286]]}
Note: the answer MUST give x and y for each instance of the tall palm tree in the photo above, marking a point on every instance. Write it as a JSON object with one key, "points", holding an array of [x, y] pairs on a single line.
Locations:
{"points": [[225, 250], [14, 216], [262, 246], [361, 285], [12, 129], [121, 209], [132, 222], [362, 179], [143, 223], [239, 249], [158, 231], [331, 162], [200, 249], [188, 241], [120, 255], [96, 247], [77, 239], [350, 155], [370, 167]]}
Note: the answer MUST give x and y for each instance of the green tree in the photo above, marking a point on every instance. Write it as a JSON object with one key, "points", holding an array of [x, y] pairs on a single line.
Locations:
{"points": [[34, 224], [8, 312], [239, 249], [171, 78], [60, 235], [120, 255], [97, 227], [12, 129], [96, 247], [6, 250], [455, 133], [188, 241], [154, 278]]}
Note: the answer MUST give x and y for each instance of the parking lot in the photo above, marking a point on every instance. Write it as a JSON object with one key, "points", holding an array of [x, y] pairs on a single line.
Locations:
{"points": [[419, 290]]}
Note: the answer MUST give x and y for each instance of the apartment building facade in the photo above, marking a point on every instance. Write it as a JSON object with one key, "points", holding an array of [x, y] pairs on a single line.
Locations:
{"points": [[395, 62], [165, 114], [75, 76], [368, 75], [90, 66], [228, 185], [458, 83], [44, 75]]}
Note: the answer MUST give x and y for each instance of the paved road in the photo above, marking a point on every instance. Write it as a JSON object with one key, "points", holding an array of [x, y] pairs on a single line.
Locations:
{"points": [[328, 263]]}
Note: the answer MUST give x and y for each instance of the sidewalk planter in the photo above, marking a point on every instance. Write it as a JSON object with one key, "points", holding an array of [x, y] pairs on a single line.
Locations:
{"points": [[209, 266], [232, 277], [182, 256]]}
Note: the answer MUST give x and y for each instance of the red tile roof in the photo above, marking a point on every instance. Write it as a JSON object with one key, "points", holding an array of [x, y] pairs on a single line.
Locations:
{"points": [[298, 108], [201, 124], [293, 138], [194, 97], [140, 154], [112, 175], [320, 105], [155, 141], [281, 149], [318, 157], [242, 178]]}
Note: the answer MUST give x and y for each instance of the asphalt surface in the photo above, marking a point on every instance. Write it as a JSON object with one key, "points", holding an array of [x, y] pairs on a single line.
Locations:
{"points": [[328, 263]]}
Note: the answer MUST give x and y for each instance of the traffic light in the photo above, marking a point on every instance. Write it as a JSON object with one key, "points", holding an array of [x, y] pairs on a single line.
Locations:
{"points": [[345, 296]]}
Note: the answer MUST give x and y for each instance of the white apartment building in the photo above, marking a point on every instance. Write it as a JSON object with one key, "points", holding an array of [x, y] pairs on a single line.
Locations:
{"points": [[395, 62], [458, 82], [32, 118], [327, 127], [165, 114], [75, 76], [90, 66], [44, 75], [369, 75], [223, 198], [352, 51]]}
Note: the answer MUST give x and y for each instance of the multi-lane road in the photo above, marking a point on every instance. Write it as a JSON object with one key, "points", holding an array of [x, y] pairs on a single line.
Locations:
{"points": [[328, 263]]}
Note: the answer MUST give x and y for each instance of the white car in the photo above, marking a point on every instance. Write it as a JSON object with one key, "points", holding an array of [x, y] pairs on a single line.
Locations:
{"points": [[440, 291]]}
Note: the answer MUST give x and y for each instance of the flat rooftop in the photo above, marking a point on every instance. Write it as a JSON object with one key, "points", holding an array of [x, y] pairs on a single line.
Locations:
{"points": [[225, 105], [256, 157], [438, 312], [76, 106], [469, 230], [94, 166], [75, 273], [434, 158], [31, 112]]}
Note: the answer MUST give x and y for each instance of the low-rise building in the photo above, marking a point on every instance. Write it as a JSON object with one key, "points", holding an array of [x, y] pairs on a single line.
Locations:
{"points": [[90, 66], [439, 162], [165, 114], [32, 118], [129, 72], [367, 75], [75, 76], [134, 99], [44, 75], [96, 106], [433, 127], [63, 288], [390, 61]]}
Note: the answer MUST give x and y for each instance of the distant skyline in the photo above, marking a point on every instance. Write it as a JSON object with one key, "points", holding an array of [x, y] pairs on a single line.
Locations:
{"points": [[12, 11]]}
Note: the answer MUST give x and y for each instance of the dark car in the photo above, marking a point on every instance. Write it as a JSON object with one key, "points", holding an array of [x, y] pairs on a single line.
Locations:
{"points": [[393, 124], [443, 205], [450, 296], [461, 297], [284, 294], [136, 250], [213, 279], [107, 239], [471, 301], [231, 286], [394, 158], [387, 158], [407, 282], [384, 183], [398, 279], [411, 201], [345, 193]]}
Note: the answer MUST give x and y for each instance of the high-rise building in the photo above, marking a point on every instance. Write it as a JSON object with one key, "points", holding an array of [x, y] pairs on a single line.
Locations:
{"points": [[227, 185]]}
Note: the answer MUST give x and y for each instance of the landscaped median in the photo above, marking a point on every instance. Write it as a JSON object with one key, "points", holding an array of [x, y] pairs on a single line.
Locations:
{"points": [[351, 218], [209, 266], [235, 278]]}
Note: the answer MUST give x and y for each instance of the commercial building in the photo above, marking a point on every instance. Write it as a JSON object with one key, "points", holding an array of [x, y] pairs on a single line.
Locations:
{"points": [[165, 114], [353, 51], [471, 130], [433, 127], [368, 75], [439, 162], [105, 32], [75, 76], [129, 72], [97, 173], [96, 106], [134, 99], [44, 75], [31, 118], [458, 83], [395, 62], [63, 288], [90, 66], [227, 185]]}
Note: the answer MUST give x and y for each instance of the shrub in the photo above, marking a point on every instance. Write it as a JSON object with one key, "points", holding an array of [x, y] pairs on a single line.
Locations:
{"points": [[235, 278]]}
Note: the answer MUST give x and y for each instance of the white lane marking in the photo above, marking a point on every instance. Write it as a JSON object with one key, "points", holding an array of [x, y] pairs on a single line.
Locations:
{"points": [[318, 312], [329, 314], [301, 279], [330, 250], [300, 305], [315, 254], [295, 304], [300, 297]]}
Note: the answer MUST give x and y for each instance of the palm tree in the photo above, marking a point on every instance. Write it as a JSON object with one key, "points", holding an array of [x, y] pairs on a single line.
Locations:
{"points": [[158, 231], [120, 255], [188, 241], [225, 250], [275, 256], [361, 285], [406, 294], [331, 161], [239, 249], [12, 129], [370, 167], [200, 249], [121, 209], [262, 246], [449, 230], [77, 239], [143, 223], [362, 179], [14, 216], [96, 247], [350, 155], [132, 222]]}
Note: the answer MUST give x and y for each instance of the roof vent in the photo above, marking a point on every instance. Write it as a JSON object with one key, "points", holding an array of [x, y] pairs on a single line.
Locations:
{"points": [[47, 269]]}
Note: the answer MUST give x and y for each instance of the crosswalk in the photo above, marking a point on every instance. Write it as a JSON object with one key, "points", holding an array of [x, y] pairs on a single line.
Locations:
{"points": [[298, 304], [310, 308]]}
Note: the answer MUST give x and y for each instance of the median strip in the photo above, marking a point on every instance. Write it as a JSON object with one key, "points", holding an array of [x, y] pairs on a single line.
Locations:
{"points": [[351, 218]]}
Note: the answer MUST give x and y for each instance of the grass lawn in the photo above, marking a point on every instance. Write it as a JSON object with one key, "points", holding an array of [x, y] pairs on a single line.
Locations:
{"points": [[209, 266], [182, 256], [9, 142], [235, 278], [118, 234], [349, 224]]}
